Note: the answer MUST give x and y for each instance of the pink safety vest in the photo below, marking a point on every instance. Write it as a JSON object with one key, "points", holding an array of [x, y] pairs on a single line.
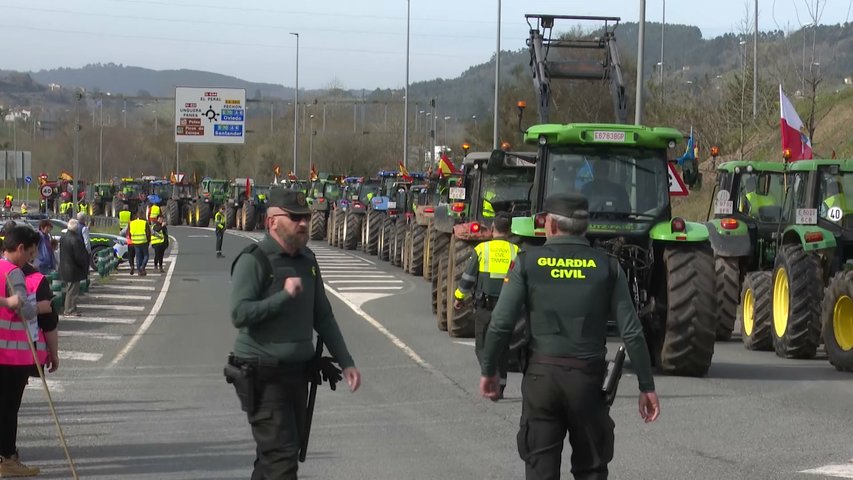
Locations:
{"points": [[14, 349]]}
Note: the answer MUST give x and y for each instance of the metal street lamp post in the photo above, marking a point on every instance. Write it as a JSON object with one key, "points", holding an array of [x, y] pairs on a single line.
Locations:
{"points": [[495, 142], [445, 131], [296, 108], [311, 141]]}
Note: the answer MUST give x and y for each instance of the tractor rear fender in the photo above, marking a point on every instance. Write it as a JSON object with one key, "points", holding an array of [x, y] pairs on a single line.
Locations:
{"points": [[693, 232], [729, 242], [811, 237]]}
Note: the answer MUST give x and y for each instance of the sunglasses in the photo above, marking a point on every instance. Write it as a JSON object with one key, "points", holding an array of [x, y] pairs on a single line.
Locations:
{"points": [[294, 217]]}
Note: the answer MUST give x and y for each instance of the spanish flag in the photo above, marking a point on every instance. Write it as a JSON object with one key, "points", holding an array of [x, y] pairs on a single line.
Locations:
{"points": [[63, 175], [313, 175], [445, 166], [404, 172]]}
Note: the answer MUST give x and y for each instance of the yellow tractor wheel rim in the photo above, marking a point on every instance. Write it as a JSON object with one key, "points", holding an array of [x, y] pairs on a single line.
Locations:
{"points": [[748, 312], [780, 303], [842, 322]]}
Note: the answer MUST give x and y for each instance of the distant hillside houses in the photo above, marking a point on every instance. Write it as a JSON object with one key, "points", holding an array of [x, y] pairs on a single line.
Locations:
{"points": [[13, 115]]}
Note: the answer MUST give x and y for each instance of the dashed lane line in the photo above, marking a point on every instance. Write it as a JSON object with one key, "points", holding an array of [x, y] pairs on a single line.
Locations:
{"points": [[84, 356], [86, 319], [108, 286], [117, 296], [838, 471], [128, 308], [100, 336]]}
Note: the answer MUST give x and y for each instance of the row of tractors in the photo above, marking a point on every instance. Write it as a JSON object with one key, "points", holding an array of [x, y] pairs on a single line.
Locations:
{"points": [[182, 202], [774, 257]]}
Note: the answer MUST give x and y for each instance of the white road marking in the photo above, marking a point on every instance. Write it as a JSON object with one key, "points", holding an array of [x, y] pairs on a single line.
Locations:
{"points": [[128, 308], [198, 236], [118, 296], [838, 471], [393, 338], [335, 275], [470, 343], [151, 315], [54, 386], [110, 286], [133, 279], [101, 336], [357, 280], [389, 287], [124, 321], [84, 356]]}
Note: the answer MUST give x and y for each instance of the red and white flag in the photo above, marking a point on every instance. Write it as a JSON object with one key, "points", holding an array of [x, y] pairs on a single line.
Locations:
{"points": [[794, 135]]}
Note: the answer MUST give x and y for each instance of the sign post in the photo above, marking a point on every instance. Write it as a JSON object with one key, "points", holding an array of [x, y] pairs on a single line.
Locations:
{"points": [[28, 179]]}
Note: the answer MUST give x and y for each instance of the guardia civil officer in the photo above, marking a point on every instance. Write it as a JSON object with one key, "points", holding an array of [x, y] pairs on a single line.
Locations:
{"points": [[276, 307], [570, 290], [219, 224], [484, 274]]}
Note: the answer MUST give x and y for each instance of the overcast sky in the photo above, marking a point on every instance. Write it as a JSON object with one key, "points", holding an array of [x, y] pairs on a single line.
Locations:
{"points": [[361, 43]]}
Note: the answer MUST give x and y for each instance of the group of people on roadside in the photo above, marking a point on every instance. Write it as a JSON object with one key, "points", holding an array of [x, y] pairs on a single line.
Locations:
{"points": [[142, 232]]}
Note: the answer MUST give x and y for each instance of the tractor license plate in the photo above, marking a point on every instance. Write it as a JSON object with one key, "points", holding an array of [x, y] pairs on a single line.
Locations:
{"points": [[806, 216], [603, 136], [724, 208], [457, 193]]}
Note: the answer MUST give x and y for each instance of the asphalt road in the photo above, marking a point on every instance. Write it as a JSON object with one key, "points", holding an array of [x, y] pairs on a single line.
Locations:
{"points": [[141, 395]]}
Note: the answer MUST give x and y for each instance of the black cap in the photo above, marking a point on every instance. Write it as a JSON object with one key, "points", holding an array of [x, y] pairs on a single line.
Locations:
{"points": [[292, 201], [572, 205]]}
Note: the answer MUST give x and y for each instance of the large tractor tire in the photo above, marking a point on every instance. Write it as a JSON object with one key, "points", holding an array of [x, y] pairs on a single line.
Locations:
{"points": [[374, 229], [755, 313], [728, 295], [837, 316], [173, 213], [399, 243], [318, 225], [238, 219], [250, 217], [352, 231], [429, 238], [384, 247], [688, 344], [362, 245], [460, 323], [439, 243], [416, 259], [230, 217], [441, 294], [97, 209], [340, 223], [203, 214], [437, 255], [797, 294], [330, 227]]}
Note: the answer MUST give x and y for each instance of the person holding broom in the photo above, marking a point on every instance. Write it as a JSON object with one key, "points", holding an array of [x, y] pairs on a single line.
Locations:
{"points": [[25, 304]]}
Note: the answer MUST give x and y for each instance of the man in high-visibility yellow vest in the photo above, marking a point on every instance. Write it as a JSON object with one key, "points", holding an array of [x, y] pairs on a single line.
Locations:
{"points": [[219, 224], [24, 208], [123, 219], [755, 200], [484, 275], [488, 209], [153, 212], [140, 235]]}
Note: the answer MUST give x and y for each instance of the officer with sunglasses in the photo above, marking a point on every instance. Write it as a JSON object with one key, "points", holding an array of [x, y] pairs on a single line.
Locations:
{"points": [[277, 303]]}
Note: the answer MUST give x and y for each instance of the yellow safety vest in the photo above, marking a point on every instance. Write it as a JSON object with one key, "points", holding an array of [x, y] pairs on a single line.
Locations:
{"points": [[495, 257], [23, 209], [757, 201], [219, 220], [137, 232], [157, 237], [64, 206], [123, 219], [154, 212], [488, 210]]}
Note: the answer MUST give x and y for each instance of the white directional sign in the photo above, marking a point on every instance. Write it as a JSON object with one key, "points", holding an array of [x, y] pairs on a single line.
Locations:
{"points": [[210, 115]]}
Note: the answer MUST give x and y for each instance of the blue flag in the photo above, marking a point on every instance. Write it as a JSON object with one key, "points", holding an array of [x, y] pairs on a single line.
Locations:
{"points": [[690, 153]]}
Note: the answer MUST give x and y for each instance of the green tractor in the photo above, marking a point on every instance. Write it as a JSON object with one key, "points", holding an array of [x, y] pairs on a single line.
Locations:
{"points": [[323, 193], [461, 224], [747, 212], [212, 193], [813, 271], [351, 208], [102, 199], [130, 195], [624, 172]]}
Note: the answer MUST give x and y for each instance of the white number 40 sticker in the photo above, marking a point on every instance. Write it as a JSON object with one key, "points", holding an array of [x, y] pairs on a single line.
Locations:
{"points": [[835, 214]]}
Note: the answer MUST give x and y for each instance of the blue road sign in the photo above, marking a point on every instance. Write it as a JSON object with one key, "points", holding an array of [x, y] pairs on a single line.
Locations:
{"points": [[28, 179]]}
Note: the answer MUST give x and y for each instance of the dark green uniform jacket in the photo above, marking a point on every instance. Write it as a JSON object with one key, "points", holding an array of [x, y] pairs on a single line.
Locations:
{"points": [[570, 293], [272, 324]]}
